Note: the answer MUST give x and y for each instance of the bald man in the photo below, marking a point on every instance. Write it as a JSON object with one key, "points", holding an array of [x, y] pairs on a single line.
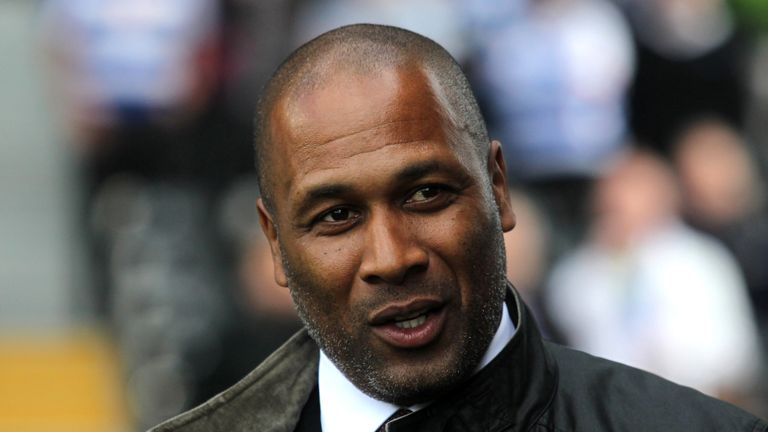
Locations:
{"points": [[385, 205]]}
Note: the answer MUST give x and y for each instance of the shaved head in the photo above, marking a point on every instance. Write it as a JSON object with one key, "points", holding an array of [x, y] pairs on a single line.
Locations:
{"points": [[367, 49]]}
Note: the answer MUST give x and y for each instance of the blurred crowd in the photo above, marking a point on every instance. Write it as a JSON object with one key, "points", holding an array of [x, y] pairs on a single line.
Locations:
{"points": [[635, 134]]}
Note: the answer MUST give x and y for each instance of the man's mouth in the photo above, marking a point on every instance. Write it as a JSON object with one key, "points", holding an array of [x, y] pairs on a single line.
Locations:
{"points": [[410, 325], [406, 312]]}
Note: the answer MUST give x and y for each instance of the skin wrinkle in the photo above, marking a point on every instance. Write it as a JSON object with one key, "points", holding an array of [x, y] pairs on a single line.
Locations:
{"points": [[307, 173], [350, 135], [309, 158]]}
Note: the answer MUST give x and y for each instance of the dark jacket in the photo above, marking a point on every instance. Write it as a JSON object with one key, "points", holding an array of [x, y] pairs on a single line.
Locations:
{"points": [[532, 385]]}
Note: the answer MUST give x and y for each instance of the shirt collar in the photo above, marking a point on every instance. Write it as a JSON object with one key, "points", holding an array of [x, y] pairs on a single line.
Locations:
{"points": [[342, 404]]}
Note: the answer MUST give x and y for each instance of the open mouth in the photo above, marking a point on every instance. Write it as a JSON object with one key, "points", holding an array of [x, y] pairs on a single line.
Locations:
{"points": [[408, 314], [410, 326], [413, 319]]}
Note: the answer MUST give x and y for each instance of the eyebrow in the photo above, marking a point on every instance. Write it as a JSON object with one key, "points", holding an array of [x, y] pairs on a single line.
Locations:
{"points": [[418, 170], [320, 193]]}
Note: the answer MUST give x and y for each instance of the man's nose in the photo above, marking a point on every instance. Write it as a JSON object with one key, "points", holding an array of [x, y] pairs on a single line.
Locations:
{"points": [[392, 253]]}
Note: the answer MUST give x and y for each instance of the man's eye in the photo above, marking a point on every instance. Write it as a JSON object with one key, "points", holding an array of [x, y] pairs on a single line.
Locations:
{"points": [[337, 215], [425, 194]]}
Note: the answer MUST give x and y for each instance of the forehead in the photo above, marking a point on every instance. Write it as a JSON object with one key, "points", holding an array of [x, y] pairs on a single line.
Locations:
{"points": [[350, 107], [351, 118]]}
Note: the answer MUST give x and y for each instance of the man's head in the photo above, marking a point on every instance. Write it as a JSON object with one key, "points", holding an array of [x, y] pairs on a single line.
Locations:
{"points": [[636, 196], [384, 205]]}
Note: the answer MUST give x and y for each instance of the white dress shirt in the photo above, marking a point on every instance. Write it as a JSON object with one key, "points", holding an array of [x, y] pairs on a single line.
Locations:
{"points": [[344, 408]]}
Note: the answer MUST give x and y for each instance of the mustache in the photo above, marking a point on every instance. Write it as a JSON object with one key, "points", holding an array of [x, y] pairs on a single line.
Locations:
{"points": [[387, 293]]}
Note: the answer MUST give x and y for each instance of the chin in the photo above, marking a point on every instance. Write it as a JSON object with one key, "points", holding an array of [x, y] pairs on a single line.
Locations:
{"points": [[415, 389], [425, 381]]}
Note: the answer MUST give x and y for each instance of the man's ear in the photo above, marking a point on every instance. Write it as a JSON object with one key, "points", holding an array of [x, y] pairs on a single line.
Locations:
{"points": [[270, 231], [498, 173]]}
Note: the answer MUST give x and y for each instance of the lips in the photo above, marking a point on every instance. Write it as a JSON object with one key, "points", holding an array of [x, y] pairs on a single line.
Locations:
{"points": [[409, 325]]}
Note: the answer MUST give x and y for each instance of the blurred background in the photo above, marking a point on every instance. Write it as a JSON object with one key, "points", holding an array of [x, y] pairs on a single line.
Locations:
{"points": [[135, 283]]}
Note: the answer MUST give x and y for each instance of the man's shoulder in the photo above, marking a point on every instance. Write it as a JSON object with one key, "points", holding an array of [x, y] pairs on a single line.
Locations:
{"points": [[271, 397], [605, 395]]}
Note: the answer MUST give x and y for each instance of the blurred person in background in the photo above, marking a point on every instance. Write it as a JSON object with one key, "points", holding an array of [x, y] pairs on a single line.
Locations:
{"points": [[647, 291], [154, 89], [691, 59], [552, 76], [135, 64], [135, 82], [724, 196]]}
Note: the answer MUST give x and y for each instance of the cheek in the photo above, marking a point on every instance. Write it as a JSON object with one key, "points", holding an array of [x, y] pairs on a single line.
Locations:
{"points": [[328, 264], [455, 236], [467, 242]]}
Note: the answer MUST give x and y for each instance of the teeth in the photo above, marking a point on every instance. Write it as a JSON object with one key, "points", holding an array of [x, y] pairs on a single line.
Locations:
{"points": [[412, 323]]}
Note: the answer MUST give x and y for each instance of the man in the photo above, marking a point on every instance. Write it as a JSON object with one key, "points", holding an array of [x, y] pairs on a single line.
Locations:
{"points": [[384, 203]]}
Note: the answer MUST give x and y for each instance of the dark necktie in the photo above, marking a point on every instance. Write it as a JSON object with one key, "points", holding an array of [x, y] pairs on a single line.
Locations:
{"points": [[399, 413]]}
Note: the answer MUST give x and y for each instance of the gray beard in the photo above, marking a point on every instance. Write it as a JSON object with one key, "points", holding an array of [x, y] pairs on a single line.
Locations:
{"points": [[362, 367]]}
